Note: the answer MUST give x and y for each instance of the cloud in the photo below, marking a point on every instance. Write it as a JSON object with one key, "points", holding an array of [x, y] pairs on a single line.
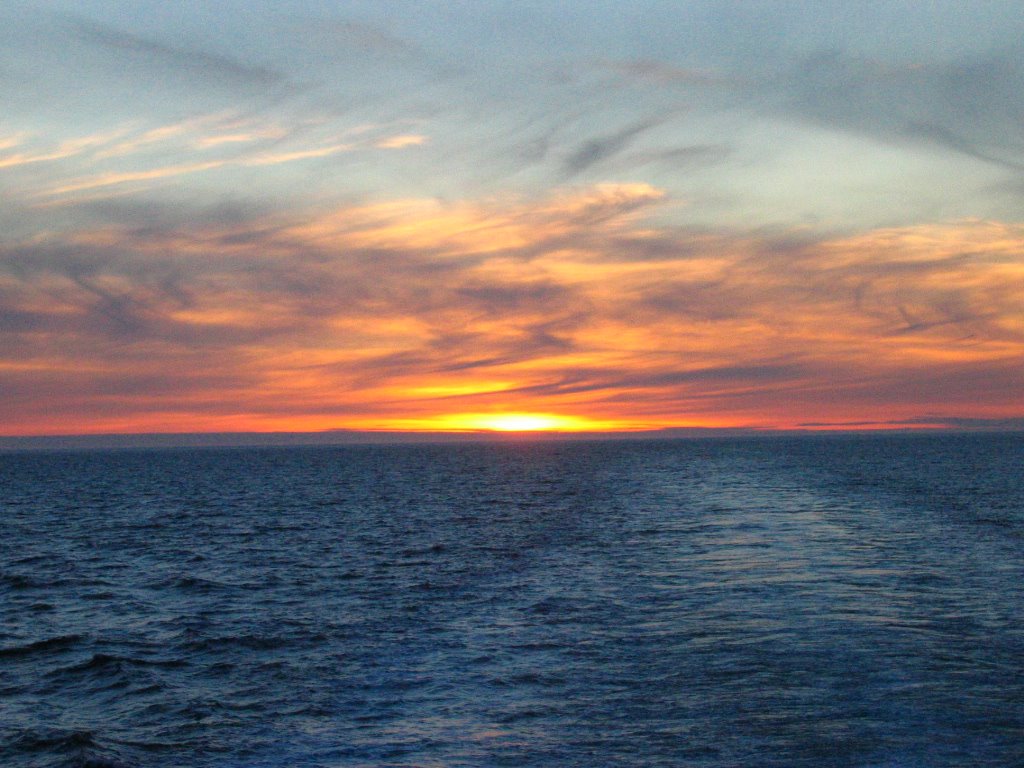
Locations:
{"points": [[65, 149], [194, 62], [20, 158], [258, 145], [601, 148], [946, 138], [971, 105], [272, 158], [162, 135], [571, 301], [114, 178], [662, 73], [402, 141]]}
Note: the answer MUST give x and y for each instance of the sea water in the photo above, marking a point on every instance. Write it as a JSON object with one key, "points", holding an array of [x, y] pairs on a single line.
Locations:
{"points": [[813, 601]]}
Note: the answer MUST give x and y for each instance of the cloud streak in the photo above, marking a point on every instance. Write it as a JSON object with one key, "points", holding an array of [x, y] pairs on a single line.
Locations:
{"points": [[601, 148], [218, 141], [194, 62]]}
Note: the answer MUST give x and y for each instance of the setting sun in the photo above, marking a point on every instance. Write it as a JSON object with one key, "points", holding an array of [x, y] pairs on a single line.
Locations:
{"points": [[509, 422], [528, 422]]}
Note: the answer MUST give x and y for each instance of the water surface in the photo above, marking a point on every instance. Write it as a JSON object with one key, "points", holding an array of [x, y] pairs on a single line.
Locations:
{"points": [[752, 602]]}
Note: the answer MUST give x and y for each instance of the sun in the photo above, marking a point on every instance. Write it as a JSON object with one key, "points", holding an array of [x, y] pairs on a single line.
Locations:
{"points": [[507, 422], [523, 422], [514, 421]]}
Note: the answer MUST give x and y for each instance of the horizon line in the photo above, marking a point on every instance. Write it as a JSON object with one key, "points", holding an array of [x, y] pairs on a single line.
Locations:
{"points": [[342, 437]]}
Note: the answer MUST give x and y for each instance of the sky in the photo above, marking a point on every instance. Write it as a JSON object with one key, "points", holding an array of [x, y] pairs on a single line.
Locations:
{"points": [[306, 215]]}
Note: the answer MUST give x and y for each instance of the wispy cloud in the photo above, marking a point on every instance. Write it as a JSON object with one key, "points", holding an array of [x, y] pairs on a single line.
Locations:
{"points": [[192, 61], [596, 150], [210, 141], [402, 141], [65, 149], [161, 135], [969, 105], [21, 158], [663, 73], [207, 142], [112, 179], [303, 154]]}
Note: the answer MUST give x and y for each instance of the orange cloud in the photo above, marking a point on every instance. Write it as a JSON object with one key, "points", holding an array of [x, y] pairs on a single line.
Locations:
{"points": [[569, 312], [112, 179], [276, 158], [402, 141]]}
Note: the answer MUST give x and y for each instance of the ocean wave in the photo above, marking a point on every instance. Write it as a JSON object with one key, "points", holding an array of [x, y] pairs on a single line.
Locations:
{"points": [[47, 645]]}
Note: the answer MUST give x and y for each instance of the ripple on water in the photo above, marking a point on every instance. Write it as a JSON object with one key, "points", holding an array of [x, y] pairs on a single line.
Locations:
{"points": [[790, 603]]}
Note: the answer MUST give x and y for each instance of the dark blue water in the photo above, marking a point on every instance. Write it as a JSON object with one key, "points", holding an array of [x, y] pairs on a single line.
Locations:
{"points": [[776, 602]]}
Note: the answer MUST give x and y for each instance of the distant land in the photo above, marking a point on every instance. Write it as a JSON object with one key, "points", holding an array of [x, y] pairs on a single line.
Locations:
{"points": [[355, 437]]}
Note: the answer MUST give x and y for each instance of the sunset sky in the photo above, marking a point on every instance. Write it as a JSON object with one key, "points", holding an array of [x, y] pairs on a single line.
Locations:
{"points": [[248, 215]]}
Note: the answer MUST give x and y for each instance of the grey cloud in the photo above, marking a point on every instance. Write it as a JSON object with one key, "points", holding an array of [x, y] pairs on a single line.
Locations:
{"points": [[973, 106], [687, 156], [706, 300], [124, 313], [27, 387], [946, 138], [916, 386], [128, 296], [660, 376], [601, 148], [662, 73], [454, 352], [195, 62], [480, 363], [664, 246], [147, 216], [995, 380], [767, 371], [505, 299], [14, 320]]}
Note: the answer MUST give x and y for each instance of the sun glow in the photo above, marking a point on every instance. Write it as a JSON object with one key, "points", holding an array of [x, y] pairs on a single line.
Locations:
{"points": [[525, 422], [509, 422]]}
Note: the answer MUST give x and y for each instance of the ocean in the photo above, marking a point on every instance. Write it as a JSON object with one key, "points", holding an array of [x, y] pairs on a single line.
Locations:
{"points": [[778, 601]]}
